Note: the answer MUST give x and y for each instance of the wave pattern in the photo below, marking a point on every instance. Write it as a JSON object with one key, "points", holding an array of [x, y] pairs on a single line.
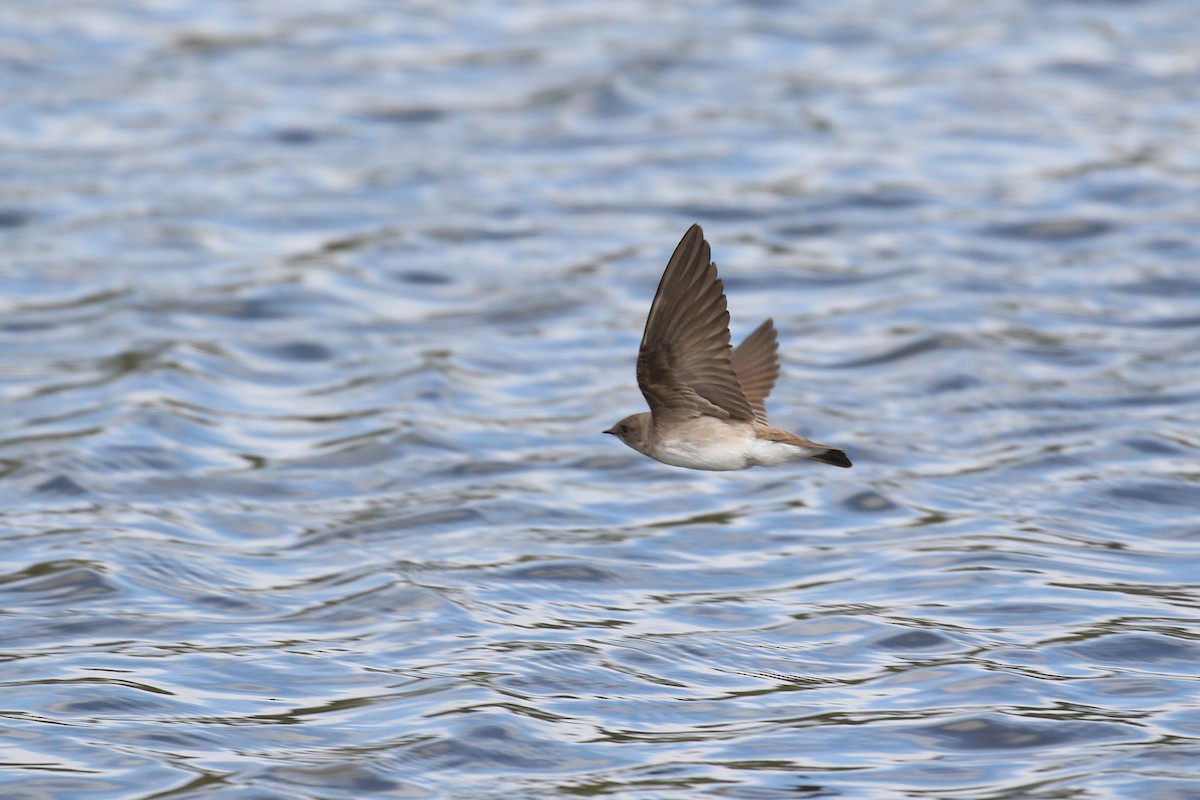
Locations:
{"points": [[311, 322]]}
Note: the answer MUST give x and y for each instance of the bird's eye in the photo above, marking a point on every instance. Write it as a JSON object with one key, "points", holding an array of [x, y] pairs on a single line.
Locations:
{"points": [[624, 429]]}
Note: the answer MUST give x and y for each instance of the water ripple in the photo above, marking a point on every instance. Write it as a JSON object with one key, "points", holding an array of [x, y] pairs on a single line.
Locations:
{"points": [[312, 322]]}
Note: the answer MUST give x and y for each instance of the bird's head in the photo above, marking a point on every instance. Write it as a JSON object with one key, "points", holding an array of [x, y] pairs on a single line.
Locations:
{"points": [[634, 431]]}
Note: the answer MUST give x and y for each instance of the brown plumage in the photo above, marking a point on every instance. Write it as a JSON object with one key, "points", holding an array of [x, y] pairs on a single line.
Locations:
{"points": [[707, 400], [756, 364]]}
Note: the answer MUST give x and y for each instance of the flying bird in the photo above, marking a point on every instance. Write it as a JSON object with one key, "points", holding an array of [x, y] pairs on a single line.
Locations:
{"points": [[707, 399]]}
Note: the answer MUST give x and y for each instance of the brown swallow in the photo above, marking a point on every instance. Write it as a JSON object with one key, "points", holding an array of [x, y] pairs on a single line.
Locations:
{"points": [[706, 398]]}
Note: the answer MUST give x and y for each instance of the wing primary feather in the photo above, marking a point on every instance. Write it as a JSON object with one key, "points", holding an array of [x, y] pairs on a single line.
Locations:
{"points": [[685, 362]]}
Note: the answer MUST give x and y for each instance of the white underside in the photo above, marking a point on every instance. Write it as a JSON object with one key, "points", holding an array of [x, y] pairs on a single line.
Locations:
{"points": [[726, 448]]}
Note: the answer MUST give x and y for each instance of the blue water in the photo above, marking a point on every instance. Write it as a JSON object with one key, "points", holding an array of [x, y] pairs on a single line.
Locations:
{"points": [[313, 314]]}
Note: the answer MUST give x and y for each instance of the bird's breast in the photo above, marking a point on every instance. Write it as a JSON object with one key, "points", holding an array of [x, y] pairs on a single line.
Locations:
{"points": [[705, 443]]}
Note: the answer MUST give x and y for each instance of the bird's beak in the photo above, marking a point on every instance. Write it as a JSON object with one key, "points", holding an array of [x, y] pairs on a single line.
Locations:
{"points": [[610, 430]]}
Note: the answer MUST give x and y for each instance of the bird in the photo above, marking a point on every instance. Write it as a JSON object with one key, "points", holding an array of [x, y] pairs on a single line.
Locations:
{"points": [[706, 398]]}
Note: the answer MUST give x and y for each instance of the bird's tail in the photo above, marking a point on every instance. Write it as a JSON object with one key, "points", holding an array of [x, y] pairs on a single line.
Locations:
{"points": [[833, 456], [817, 452]]}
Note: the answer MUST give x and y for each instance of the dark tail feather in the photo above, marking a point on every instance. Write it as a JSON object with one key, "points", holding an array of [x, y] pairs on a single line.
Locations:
{"points": [[835, 457]]}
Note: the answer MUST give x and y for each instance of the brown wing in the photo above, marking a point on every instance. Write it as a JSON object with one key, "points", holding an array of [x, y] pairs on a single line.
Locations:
{"points": [[756, 364], [685, 361]]}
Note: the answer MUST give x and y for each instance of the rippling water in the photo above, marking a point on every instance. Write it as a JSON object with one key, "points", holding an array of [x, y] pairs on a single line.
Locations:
{"points": [[313, 314]]}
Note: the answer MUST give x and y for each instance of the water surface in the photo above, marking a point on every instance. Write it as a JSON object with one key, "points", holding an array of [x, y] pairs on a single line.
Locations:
{"points": [[313, 315]]}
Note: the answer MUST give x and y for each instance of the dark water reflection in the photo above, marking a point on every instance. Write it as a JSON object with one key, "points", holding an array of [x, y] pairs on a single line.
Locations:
{"points": [[312, 319]]}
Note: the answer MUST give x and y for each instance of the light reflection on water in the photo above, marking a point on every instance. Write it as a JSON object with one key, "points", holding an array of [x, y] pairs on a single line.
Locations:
{"points": [[312, 321]]}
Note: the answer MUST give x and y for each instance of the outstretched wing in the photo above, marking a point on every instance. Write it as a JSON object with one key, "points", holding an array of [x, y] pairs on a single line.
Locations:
{"points": [[756, 364], [685, 364]]}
